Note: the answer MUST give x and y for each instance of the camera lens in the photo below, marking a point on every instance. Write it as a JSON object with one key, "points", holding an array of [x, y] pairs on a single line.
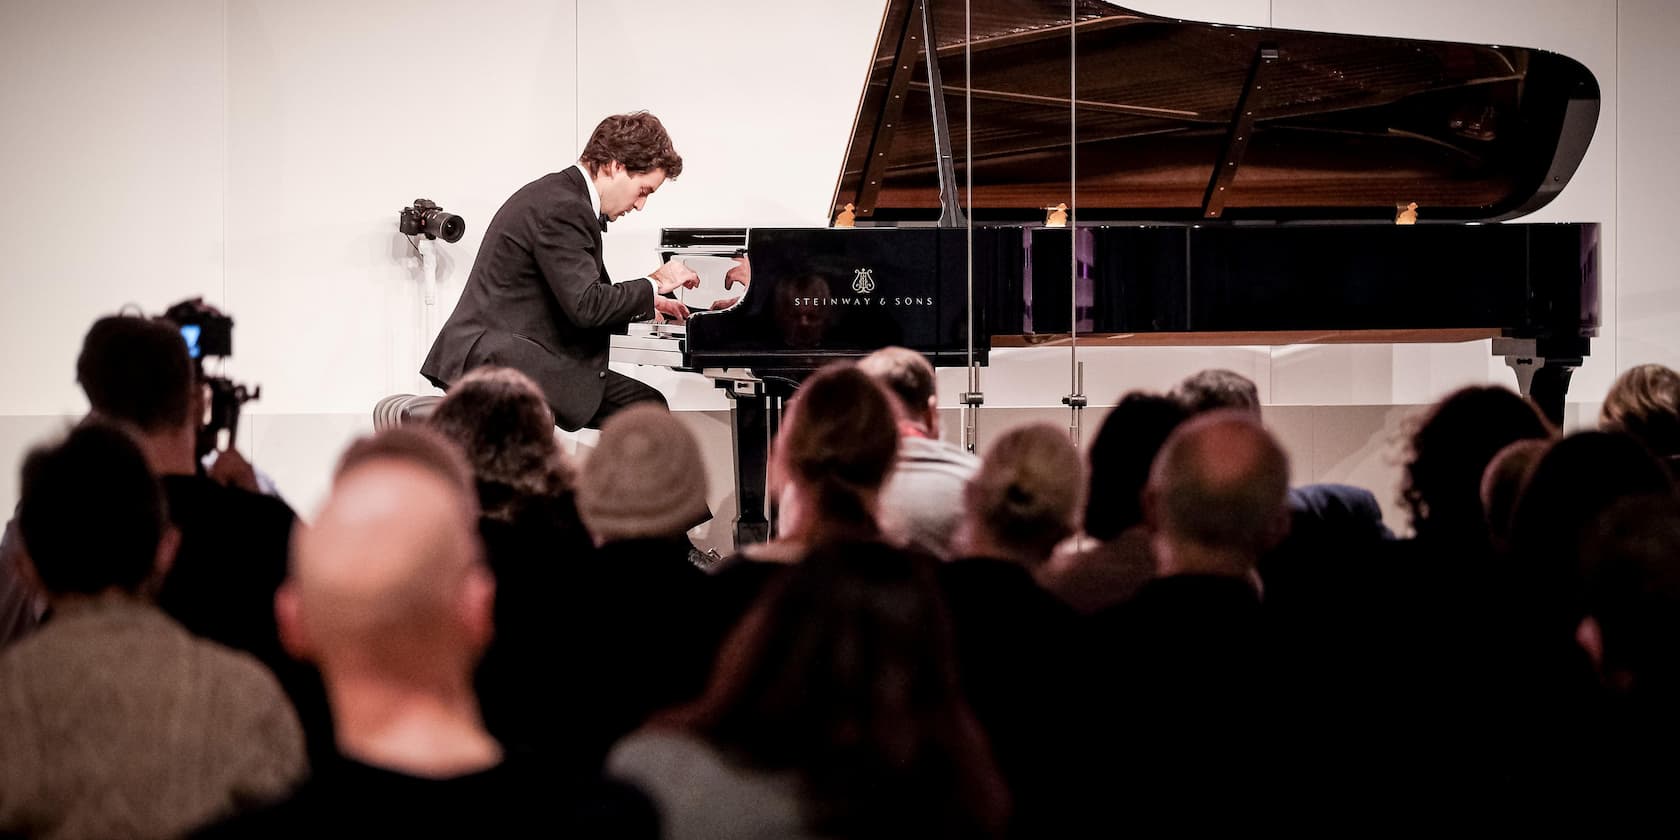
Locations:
{"points": [[450, 227]]}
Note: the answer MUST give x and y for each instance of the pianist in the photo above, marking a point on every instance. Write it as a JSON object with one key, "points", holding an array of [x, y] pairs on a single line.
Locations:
{"points": [[539, 299]]}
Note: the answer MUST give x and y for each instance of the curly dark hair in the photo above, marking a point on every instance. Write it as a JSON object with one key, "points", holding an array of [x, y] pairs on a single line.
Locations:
{"points": [[1452, 448], [499, 419], [637, 140]]}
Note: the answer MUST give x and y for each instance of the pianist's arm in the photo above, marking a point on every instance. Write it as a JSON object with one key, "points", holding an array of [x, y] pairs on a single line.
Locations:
{"points": [[564, 248]]}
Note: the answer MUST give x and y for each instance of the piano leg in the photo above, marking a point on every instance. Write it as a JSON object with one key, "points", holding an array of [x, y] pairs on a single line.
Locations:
{"points": [[1544, 379], [754, 427], [1551, 385]]}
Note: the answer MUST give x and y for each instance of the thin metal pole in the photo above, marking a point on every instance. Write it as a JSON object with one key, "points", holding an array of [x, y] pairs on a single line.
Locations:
{"points": [[1076, 395], [972, 398]]}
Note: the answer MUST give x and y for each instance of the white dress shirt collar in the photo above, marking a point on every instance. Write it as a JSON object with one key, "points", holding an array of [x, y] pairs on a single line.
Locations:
{"points": [[589, 182]]}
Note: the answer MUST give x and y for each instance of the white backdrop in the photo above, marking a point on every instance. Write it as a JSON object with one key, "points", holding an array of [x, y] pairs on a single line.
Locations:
{"points": [[256, 153]]}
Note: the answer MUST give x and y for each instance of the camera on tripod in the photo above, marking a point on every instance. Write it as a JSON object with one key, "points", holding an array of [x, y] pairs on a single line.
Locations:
{"points": [[426, 217], [209, 334]]}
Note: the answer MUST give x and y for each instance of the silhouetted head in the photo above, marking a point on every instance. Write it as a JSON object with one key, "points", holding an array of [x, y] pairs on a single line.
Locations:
{"points": [[1451, 449], [136, 371], [1120, 456], [91, 515], [1575, 481]]}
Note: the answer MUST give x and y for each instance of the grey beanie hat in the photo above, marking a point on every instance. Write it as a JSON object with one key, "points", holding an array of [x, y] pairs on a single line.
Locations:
{"points": [[644, 479]]}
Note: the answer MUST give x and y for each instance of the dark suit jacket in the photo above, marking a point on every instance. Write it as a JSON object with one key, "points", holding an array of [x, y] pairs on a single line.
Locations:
{"points": [[539, 300]]}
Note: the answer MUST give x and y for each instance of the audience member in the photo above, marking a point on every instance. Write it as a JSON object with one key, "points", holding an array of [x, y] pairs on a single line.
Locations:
{"points": [[1424, 630], [1190, 680], [232, 559], [114, 720], [535, 544], [837, 444], [1025, 500], [21, 606], [1631, 556], [1578, 627], [1107, 564], [1575, 481], [834, 712], [647, 611], [499, 419], [1329, 522], [388, 593], [1450, 450], [1502, 484], [1017, 644], [924, 493], [1215, 389], [1644, 402]]}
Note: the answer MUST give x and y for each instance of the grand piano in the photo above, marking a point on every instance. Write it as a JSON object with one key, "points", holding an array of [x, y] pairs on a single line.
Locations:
{"points": [[1218, 185]]}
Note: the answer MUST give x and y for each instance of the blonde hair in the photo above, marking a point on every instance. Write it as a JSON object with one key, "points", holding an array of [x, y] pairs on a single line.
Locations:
{"points": [[1029, 491], [1644, 403]]}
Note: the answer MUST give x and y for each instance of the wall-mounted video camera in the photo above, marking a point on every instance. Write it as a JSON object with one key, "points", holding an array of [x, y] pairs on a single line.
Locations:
{"points": [[427, 218]]}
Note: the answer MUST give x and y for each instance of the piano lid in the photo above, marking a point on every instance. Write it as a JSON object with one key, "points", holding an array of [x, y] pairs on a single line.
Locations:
{"points": [[1331, 127]]}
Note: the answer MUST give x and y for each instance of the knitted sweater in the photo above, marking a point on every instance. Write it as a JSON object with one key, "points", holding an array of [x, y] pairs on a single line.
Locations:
{"points": [[116, 722]]}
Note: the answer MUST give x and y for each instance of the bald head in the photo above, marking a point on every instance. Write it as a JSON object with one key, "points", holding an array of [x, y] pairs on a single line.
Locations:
{"points": [[1221, 482], [390, 577]]}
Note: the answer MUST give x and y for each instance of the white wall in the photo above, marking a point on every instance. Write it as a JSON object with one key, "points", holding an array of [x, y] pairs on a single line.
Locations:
{"points": [[257, 153]]}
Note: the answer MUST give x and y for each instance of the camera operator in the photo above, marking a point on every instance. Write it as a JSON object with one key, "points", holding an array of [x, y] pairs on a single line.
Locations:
{"points": [[234, 541]]}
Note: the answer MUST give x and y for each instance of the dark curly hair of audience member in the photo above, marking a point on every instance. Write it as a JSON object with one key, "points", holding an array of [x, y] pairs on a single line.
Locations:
{"points": [[1644, 402], [1026, 496], [1119, 458], [839, 441], [1577, 479], [843, 670], [1450, 450], [500, 420], [95, 477]]}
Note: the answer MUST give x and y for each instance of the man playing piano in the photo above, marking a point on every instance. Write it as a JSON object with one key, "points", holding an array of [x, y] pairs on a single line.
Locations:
{"points": [[539, 299]]}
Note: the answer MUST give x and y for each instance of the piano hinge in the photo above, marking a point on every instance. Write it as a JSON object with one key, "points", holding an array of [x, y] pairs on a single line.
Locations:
{"points": [[1240, 132]]}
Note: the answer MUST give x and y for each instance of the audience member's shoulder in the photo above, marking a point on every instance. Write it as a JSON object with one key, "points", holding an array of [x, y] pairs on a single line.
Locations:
{"points": [[197, 494], [930, 451], [655, 753]]}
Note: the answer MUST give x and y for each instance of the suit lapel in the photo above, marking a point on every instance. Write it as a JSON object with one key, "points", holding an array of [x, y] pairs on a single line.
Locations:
{"points": [[574, 180]]}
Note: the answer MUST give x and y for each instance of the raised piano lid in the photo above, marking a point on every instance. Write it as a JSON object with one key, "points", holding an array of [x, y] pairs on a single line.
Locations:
{"points": [[1343, 127]]}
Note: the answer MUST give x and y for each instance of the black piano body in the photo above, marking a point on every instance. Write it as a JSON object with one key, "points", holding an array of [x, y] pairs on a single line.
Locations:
{"points": [[1225, 185]]}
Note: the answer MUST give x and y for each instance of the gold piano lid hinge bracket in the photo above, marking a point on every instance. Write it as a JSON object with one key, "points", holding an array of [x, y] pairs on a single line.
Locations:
{"points": [[1056, 216], [1240, 133], [1405, 213], [845, 218]]}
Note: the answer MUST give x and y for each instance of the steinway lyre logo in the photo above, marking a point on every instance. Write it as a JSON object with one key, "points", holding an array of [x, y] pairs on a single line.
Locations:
{"points": [[863, 282]]}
